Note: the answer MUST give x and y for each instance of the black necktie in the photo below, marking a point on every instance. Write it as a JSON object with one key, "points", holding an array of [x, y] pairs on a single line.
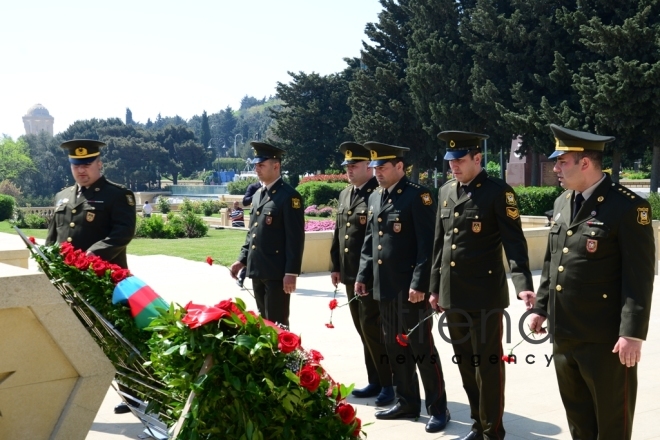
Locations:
{"points": [[578, 204], [461, 190], [386, 194], [354, 194], [81, 189]]}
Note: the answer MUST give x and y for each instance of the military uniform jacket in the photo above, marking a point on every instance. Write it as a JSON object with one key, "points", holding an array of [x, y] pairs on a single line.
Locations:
{"points": [[101, 220], [468, 269], [397, 248], [276, 235], [597, 277], [350, 227]]}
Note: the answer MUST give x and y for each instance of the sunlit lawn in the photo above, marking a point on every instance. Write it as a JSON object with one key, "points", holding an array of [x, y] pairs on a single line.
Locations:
{"points": [[223, 245]]}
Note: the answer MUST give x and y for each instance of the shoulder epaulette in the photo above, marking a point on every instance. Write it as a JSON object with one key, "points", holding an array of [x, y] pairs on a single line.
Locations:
{"points": [[118, 185], [625, 192]]}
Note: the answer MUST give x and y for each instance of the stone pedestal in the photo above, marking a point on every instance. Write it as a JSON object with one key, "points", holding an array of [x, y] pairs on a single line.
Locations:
{"points": [[53, 376]]}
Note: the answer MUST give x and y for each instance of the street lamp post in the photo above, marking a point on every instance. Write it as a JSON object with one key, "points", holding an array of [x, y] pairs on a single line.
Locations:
{"points": [[235, 155]]}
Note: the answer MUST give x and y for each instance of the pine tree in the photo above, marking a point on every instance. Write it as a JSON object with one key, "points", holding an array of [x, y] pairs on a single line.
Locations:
{"points": [[205, 136], [129, 117]]}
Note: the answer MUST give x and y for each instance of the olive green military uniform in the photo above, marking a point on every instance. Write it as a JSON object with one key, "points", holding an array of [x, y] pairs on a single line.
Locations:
{"points": [[473, 225], [350, 228], [274, 247], [469, 275], [101, 220], [596, 285], [396, 256]]}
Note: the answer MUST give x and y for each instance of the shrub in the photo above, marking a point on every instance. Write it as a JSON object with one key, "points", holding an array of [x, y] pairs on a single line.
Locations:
{"points": [[535, 200], [7, 206], [635, 175], [240, 186], [193, 226], [191, 206], [654, 200], [30, 221], [493, 169], [176, 227], [329, 178], [325, 212], [320, 225], [7, 187], [312, 211], [320, 193], [207, 208], [164, 205], [151, 227]]}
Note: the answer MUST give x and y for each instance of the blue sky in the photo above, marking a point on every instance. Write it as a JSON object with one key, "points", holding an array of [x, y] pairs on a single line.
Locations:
{"points": [[92, 59]]}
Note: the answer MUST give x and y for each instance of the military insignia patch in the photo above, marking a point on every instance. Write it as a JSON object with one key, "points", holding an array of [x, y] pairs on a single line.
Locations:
{"points": [[269, 219], [396, 227], [512, 212], [295, 203], [426, 199], [90, 217], [592, 245], [130, 200], [476, 227], [510, 199], [643, 216], [363, 219]]}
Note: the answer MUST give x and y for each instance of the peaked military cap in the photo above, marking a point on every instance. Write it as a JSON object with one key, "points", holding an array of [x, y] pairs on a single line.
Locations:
{"points": [[264, 151], [380, 154], [353, 153], [459, 143], [82, 151], [571, 140]]}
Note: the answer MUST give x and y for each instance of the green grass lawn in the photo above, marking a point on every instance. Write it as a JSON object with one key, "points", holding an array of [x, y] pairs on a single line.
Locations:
{"points": [[223, 245]]}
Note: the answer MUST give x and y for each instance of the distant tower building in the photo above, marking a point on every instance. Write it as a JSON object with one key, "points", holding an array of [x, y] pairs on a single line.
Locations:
{"points": [[38, 119]]}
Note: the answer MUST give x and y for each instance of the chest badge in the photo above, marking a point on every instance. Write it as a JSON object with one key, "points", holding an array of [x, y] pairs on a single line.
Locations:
{"points": [[363, 219], [396, 227], [90, 216], [592, 245], [476, 227], [269, 219]]}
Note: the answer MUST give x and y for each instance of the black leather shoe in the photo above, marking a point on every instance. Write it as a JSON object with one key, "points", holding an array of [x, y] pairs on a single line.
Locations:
{"points": [[371, 390], [386, 396], [397, 412], [472, 435], [438, 423], [122, 408]]}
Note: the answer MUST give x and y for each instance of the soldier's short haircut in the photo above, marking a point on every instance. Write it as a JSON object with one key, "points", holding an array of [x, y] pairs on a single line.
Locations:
{"points": [[596, 157]]}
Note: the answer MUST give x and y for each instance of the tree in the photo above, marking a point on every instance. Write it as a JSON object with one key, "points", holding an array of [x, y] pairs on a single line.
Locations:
{"points": [[226, 127], [184, 154], [86, 129], [380, 98], [129, 117], [14, 158], [205, 136], [51, 170], [311, 123], [620, 91]]}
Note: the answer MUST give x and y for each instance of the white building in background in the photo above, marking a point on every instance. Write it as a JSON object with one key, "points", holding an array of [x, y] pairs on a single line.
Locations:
{"points": [[38, 119]]}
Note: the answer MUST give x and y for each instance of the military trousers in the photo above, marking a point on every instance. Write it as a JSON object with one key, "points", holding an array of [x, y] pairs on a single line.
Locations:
{"points": [[476, 337], [365, 312], [418, 353], [272, 302], [598, 392]]}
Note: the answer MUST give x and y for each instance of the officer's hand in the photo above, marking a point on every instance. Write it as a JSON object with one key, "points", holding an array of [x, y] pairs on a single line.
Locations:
{"points": [[433, 301], [536, 323], [528, 297], [630, 351], [235, 269], [415, 296], [360, 289], [289, 284], [334, 276]]}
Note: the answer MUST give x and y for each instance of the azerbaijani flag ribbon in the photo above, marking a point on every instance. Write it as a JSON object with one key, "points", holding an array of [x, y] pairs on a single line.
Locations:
{"points": [[141, 299]]}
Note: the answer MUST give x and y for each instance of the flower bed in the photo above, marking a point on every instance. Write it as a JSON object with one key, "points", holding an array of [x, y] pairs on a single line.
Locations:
{"points": [[320, 225]]}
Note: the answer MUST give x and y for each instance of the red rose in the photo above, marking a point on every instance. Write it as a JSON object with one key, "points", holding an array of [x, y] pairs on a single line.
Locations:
{"points": [[113, 267], [333, 304], [66, 248], [346, 412], [358, 427], [81, 262], [402, 340], [32, 240], [119, 275], [329, 325], [209, 260], [510, 358], [315, 356], [309, 378], [287, 341], [100, 267], [70, 259]]}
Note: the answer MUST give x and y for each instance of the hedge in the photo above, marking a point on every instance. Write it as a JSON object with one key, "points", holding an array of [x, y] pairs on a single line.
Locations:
{"points": [[536, 200], [320, 193], [7, 205]]}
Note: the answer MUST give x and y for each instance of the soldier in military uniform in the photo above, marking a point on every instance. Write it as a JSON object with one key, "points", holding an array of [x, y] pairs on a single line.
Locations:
{"points": [[596, 288], [95, 214], [274, 244], [477, 216], [347, 242], [396, 257]]}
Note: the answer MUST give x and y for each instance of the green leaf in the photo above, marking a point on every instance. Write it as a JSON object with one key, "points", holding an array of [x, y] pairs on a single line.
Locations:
{"points": [[183, 349], [246, 341], [171, 350]]}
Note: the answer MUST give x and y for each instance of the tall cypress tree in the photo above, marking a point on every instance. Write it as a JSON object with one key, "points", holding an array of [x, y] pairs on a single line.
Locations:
{"points": [[205, 136]]}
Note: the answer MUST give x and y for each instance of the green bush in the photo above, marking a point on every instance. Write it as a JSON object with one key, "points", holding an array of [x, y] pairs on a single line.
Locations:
{"points": [[194, 226], [535, 200], [493, 169], [176, 226], [164, 205], [151, 227], [210, 207], [7, 206], [30, 221], [320, 193], [636, 175], [654, 200], [240, 186]]}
